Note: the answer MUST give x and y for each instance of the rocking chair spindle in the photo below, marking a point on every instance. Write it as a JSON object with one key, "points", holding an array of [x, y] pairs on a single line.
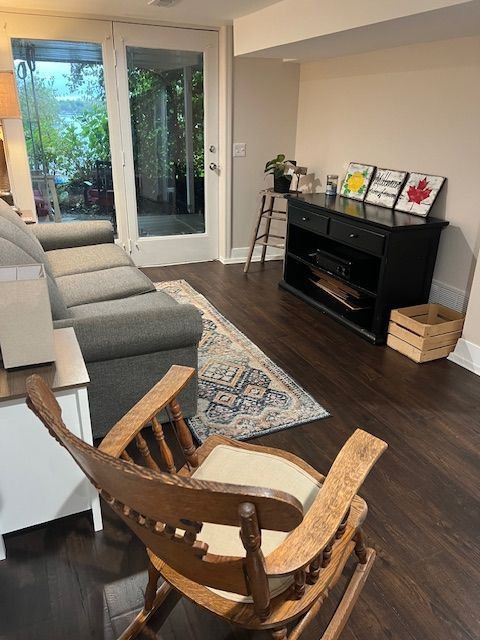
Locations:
{"points": [[327, 554], [163, 446], [299, 578], [144, 449], [184, 434], [343, 526], [125, 456], [314, 569]]}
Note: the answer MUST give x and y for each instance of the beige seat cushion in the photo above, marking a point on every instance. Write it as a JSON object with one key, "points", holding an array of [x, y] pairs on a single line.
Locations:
{"points": [[258, 469]]}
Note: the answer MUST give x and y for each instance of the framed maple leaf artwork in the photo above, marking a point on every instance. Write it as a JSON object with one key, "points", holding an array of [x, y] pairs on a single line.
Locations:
{"points": [[357, 180], [419, 194], [385, 187]]}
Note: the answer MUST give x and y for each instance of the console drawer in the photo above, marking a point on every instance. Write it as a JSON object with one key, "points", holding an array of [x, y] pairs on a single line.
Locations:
{"points": [[308, 220], [357, 237]]}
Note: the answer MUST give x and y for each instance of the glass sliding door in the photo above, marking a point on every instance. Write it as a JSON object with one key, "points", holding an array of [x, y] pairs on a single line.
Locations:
{"points": [[167, 120], [61, 89], [167, 81]]}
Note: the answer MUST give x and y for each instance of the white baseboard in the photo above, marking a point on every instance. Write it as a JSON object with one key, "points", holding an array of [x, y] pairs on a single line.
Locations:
{"points": [[239, 255], [467, 355]]}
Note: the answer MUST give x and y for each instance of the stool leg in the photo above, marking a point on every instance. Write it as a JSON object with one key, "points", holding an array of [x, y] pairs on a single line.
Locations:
{"points": [[267, 228], [255, 235]]}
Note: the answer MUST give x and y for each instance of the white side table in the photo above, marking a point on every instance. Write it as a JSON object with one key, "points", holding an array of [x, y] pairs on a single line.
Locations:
{"points": [[39, 481]]}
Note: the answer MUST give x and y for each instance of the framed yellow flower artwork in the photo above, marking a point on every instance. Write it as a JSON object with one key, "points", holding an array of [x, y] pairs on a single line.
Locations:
{"points": [[357, 180]]}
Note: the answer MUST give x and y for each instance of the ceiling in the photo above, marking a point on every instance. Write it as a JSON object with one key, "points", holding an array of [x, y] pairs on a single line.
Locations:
{"points": [[188, 12], [441, 24]]}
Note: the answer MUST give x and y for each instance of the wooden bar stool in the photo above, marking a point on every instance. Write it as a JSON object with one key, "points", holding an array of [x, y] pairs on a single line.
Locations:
{"points": [[268, 214]]}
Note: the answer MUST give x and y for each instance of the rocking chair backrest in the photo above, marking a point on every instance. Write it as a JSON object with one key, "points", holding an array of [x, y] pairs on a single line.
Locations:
{"points": [[156, 504]]}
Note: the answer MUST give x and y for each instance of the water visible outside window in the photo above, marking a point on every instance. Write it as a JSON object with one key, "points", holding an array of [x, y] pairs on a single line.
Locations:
{"points": [[167, 118], [62, 98]]}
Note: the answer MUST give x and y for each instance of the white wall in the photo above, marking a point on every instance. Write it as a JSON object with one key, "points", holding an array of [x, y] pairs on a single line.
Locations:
{"points": [[413, 108], [265, 97]]}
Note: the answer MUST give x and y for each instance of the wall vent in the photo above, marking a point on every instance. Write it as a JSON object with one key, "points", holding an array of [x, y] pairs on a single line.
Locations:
{"points": [[451, 297]]}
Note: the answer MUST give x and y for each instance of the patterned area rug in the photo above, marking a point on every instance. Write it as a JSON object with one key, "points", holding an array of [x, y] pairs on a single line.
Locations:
{"points": [[242, 393]]}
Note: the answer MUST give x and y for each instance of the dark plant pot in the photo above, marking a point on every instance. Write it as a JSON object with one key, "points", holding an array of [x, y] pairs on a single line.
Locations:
{"points": [[282, 184]]}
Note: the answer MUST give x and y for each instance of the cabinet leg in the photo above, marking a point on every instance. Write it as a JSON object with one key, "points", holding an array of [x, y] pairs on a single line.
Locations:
{"points": [[97, 513]]}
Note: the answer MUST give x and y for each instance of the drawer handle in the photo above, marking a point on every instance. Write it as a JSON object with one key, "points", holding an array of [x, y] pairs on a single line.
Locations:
{"points": [[353, 235], [305, 219]]}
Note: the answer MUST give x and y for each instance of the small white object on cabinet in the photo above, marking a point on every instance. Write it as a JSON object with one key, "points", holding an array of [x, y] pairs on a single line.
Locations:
{"points": [[39, 481]]}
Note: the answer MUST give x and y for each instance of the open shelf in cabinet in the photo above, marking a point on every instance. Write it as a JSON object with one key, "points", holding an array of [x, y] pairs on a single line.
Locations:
{"points": [[300, 277], [305, 246]]}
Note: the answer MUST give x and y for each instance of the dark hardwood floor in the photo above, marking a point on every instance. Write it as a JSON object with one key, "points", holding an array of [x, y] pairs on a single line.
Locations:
{"points": [[61, 581]]}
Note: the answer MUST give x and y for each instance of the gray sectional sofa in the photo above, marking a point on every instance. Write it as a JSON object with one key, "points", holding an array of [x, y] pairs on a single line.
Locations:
{"points": [[129, 333]]}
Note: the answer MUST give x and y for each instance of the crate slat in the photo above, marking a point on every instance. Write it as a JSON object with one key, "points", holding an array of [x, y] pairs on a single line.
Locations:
{"points": [[417, 355], [432, 342]]}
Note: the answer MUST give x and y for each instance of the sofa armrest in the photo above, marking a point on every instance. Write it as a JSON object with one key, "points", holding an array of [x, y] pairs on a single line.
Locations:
{"points": [[73, 234], [137, 332]]}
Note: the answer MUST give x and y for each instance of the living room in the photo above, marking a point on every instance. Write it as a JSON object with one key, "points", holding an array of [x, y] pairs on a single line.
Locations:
{"points": [[135, 167]]}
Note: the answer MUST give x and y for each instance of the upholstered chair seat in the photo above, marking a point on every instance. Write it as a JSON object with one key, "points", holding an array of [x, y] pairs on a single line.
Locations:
{"points": [[255, 469]]}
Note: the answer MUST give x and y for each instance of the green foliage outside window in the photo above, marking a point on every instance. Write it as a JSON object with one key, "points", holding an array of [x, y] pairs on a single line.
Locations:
{"points": [[74, 133]]}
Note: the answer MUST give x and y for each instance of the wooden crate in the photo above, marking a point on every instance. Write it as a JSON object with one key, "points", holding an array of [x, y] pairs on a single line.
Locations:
{"points": [[424, 332]]}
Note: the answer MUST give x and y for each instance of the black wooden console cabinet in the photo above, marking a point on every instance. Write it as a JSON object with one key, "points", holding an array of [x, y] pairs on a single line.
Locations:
{"points": [[393, 254]]}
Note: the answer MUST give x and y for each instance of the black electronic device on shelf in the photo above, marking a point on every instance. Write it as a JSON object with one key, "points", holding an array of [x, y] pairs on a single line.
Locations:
{"points": [[344, 263], [357, 263]]}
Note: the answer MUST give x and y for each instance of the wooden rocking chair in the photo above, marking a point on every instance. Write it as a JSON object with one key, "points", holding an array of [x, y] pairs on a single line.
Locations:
{"points": [[297, 529]]}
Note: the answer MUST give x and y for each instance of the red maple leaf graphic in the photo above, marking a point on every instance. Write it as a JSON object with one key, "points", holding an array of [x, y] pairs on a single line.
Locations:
{"points": [[420, 192]]}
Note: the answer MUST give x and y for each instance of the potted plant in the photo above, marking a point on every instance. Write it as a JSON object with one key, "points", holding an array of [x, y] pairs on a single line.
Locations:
{"points": [[281, 182]]}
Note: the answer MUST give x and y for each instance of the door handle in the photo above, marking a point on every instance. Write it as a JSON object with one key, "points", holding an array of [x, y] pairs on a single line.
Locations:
{"points": [[213, 166], [353, 235]]}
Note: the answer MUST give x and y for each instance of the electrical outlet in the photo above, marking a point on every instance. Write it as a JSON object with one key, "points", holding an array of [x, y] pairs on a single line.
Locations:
{"points": [[239, 149]]}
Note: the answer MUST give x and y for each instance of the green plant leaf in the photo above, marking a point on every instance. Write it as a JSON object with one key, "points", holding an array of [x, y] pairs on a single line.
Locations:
{"points": [[276, 165]]}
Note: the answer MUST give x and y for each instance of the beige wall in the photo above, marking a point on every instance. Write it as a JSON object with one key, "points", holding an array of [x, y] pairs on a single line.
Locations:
{"points": [[265, 95], [471, 330], [413, 108]]}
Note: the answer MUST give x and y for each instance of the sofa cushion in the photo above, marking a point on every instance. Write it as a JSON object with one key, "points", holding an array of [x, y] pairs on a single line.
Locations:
{"points": [[12, 254], [233, 465], [65, 262], [107, 284], [13, 229], [73, 234], [135, 326], [108, 308], [8, 213]]}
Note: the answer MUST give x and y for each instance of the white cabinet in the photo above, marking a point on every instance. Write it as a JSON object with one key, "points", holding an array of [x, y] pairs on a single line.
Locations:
{"points": [[39, 481]]}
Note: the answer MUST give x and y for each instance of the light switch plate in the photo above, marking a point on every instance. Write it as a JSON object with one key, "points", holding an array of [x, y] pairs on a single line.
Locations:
{"points": [[239, 149]]}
